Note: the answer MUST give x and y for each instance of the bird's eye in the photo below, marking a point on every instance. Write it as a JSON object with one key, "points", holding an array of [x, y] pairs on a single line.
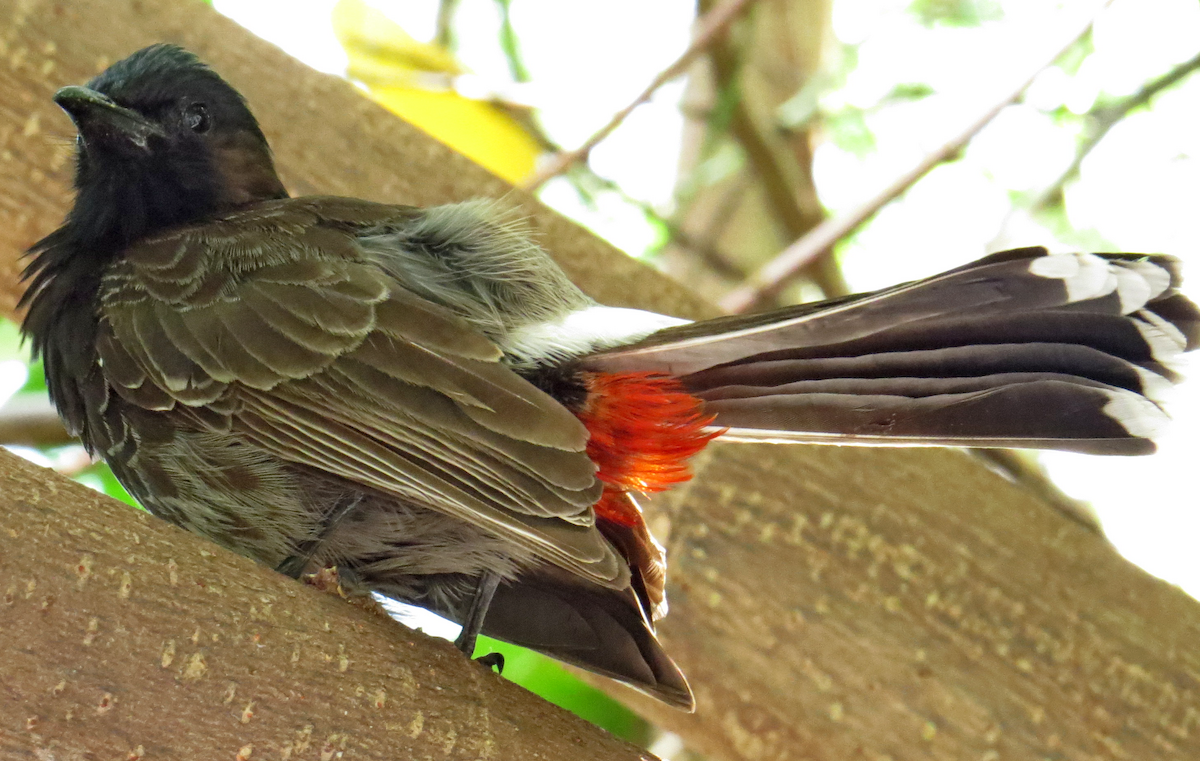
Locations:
{"points": [[196, 118]]}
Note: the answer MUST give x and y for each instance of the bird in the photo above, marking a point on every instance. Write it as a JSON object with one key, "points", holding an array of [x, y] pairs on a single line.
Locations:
{"points": [[421, 398]]}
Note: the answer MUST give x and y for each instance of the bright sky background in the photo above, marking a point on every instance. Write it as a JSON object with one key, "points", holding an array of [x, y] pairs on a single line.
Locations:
{"points": [[1139, 190]]}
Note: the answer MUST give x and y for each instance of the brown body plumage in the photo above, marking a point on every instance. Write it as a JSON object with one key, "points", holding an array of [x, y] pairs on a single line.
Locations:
{"points": [[422, 398]]}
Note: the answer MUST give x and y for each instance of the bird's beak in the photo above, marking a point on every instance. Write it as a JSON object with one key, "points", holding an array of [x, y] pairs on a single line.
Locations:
{"points": [[99, 119]]}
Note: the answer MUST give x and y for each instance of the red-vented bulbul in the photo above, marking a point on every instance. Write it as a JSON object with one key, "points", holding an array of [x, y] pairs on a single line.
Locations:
{"points": [[421, 398]]}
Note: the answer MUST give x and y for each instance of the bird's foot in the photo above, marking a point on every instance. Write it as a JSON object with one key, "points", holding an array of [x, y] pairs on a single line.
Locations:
{"points": [[327, 580], [342, 584]]}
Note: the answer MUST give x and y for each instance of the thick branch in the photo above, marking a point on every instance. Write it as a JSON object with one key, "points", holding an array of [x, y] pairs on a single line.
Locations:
{"points": [[29, 420], [121, 632], [828, 603], [779, 192], [837, 603]]}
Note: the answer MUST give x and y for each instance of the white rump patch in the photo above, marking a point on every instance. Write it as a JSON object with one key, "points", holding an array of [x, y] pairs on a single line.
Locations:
{"points": [[586, 330]]}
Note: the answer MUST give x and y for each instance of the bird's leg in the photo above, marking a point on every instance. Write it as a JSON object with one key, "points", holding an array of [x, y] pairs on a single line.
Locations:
{"points": [[481, 600], [294, 565]]}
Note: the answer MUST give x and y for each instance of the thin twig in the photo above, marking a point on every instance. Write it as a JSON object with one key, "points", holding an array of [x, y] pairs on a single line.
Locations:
{"points": [[1102, 119], [510, 44], [444, 35], [712, 26], [586, 180], [775, 275]]}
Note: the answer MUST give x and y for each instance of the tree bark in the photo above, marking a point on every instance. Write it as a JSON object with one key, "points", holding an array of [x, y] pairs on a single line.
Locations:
{"points": [[827, 603], [841, 603], [124, 637]]}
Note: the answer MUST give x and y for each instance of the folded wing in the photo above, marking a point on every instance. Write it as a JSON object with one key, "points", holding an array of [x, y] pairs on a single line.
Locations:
{"points": [[315, 356]]}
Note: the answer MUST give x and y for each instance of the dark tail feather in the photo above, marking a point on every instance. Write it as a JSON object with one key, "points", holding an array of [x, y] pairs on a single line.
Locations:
{"points": [[1019, 349], [598, 629]]}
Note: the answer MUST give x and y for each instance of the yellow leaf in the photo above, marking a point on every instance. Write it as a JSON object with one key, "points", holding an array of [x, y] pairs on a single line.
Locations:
{"points": [[415, 81], [477, 129], [376, 43]]}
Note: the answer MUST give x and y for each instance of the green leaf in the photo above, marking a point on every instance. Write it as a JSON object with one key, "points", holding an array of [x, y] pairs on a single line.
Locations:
{"points": [[908, 91], [36, 381], [11, 343], [956, 12], [112, 487], [849, 131]]}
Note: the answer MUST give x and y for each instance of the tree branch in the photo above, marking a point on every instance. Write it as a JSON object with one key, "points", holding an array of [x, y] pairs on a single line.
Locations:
{"points": [[777, 190], [711, 27], [1100, 120], [443, 35], [29, 420], [827, 603], [746, 188], [765, 284], [122, 632]]}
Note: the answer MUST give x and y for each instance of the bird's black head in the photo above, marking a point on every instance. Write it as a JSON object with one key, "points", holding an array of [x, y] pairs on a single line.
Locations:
{"points": [[163, 141]]}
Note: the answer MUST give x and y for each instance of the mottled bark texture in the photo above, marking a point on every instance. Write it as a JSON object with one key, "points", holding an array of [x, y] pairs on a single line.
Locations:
{"points": [[827, 603], [126, 638]]}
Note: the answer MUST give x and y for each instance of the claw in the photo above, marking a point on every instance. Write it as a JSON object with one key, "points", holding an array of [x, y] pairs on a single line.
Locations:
{"points": [[492, 661]]}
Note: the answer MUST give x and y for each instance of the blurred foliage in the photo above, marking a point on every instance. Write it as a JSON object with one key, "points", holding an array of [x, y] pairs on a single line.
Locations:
{"points": [[36, 381], [848, 130], [1070, 61], [416, 81], [510, 44], [956, 12], [10, 342]]}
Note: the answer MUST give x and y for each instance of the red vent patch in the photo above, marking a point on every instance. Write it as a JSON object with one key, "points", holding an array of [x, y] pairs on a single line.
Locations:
{"points": [[644, 427]]}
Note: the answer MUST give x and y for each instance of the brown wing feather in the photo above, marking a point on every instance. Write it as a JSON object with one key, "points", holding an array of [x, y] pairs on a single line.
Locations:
{"points": [[315, 356]]}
